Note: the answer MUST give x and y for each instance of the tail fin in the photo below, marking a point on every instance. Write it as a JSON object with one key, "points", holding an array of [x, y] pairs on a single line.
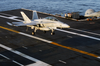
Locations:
{"points": [[35, 16], [26, 19]]}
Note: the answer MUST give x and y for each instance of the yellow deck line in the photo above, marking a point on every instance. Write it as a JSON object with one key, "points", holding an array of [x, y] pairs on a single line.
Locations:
{"points": [[9, 29], [70, 48], [74, 49]]}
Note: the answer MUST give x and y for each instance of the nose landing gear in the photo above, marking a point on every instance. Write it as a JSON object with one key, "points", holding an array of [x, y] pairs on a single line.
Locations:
{"points": [[52, 33]]}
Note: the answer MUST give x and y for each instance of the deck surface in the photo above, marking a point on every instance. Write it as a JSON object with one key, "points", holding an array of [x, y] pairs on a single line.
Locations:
{"points": [[75, 46]]}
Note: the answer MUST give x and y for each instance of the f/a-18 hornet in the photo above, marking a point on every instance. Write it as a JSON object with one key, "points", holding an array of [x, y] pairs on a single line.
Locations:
{"points": [[45, 24]]}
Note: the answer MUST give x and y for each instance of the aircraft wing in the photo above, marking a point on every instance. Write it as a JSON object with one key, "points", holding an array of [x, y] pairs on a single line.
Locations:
{"points": [[14, 23], [25, 24], [33, 23], [21, 24], [17, 23]]}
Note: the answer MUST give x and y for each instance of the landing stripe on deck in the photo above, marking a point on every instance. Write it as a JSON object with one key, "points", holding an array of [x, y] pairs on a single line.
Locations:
{"points": [[11, 18], [84, 31], [38, 62], [44, 40], [11, 60], [79, 34]]}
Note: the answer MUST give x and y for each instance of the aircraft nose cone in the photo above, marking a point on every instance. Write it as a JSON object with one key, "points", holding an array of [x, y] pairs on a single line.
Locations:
{"points": [[66, 26]]}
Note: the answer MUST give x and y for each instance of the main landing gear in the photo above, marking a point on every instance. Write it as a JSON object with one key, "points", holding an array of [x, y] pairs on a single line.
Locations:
{"points": [[27, 29], [35, 29], [33, 32], [52, 33]]}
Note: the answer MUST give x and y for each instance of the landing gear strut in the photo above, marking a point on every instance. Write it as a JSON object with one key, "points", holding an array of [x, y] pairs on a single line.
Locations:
{"points": [[27, 29], [33, 33], [52, 33]]}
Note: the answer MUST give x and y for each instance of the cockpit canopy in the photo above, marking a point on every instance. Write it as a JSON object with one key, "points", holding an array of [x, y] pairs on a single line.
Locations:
{"points": [[52, 18]]}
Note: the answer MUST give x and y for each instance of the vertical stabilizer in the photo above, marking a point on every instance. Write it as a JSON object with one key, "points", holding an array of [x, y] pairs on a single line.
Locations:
{"points": [[26, 19], [35, 16]]}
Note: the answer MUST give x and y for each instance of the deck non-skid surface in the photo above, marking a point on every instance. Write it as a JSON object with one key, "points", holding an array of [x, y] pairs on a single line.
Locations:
{"points": [[68, 47]]}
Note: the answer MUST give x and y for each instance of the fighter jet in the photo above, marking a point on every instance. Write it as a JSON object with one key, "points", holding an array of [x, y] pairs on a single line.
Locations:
{"points": [[92, 13], [45, 24]]}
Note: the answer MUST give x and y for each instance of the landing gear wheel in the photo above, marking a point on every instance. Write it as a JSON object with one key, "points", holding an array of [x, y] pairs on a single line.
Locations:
{"points": [[52, 33], [33, 33]]}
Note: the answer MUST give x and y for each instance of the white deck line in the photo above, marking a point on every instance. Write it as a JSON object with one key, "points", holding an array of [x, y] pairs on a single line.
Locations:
{"points": [[41, 39], [17, 63], [4, 56], [10, 15], [25, 56], [84, 31], [79, 34], [12, 60], [11, 18], [36, 64], [98, 57]]}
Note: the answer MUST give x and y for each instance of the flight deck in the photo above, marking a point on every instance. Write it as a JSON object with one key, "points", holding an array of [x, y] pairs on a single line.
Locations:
{"points": [[78, 45]]}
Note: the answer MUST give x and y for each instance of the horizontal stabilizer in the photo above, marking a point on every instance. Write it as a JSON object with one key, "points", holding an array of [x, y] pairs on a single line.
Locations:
{"points": [[16, 23], [9, 23], [23, 24]]}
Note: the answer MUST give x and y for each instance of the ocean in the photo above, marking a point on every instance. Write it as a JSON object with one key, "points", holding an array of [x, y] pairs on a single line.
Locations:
{"points": [[51, 6]]}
